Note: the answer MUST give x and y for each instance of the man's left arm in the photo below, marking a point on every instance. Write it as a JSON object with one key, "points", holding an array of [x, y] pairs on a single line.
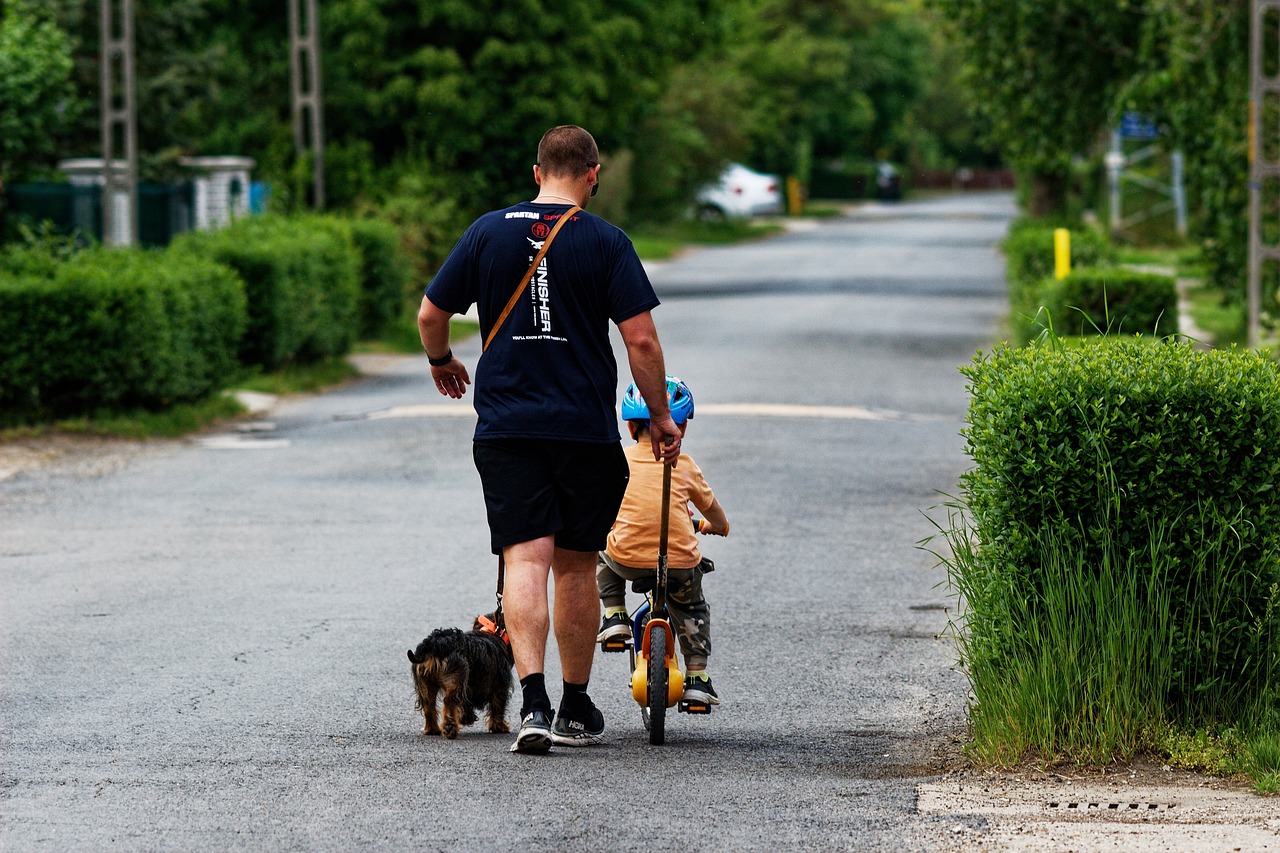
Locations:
{"points": [[451, 377], [644, 352]]}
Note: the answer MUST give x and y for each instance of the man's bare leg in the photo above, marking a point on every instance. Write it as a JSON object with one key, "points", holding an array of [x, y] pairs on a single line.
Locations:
{"points": [[577, 612], [524, 602]]}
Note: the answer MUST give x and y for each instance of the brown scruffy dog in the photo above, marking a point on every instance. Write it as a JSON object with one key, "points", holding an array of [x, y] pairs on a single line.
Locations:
{"points": [[472, 670]]}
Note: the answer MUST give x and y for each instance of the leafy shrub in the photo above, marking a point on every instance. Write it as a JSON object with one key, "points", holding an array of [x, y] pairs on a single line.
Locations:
{"points": [[1029, 258], [302, 281], [423, 208], [117, 329], [39, 254], [1113, 301], [1029, 249], [384, 273], [1154, 460]]}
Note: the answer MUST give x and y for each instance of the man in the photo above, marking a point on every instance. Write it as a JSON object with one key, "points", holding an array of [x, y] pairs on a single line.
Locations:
{"points": [[546, 442]]}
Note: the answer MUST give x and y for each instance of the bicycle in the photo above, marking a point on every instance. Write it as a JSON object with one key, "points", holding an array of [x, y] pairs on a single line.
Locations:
{"points": [[657, 683]]}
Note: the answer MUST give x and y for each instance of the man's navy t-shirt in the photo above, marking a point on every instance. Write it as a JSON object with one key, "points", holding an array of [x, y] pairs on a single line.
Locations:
{"points": [[550, 371]]}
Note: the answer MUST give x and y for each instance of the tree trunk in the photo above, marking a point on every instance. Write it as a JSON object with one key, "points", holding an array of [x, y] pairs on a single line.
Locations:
{"points": [[1048, 195]]}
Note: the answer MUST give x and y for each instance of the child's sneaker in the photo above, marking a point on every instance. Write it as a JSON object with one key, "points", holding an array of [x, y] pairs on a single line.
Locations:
{"points": [[584, 728], [698, 689], [535, 733], [616, 628]]}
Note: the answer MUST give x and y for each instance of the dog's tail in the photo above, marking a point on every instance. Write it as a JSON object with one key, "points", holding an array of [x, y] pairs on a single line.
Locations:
{"points": [[439, 645]]}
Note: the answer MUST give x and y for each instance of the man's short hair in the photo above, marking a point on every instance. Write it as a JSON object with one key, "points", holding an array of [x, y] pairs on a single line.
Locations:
{"points": [[567, 151]]}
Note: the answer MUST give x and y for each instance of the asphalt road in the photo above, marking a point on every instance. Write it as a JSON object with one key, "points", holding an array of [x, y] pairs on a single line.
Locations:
{"points": [[205, 647]]}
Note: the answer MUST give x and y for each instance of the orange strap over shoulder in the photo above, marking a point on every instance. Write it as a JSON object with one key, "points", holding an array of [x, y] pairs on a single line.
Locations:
{"points": [[528, 276]]}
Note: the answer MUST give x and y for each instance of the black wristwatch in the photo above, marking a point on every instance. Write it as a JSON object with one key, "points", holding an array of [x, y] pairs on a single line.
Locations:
{"points": [[441, 361]]}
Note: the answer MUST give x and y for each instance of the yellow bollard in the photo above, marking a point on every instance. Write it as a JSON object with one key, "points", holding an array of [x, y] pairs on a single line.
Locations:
{"points": [[793, 195], [1061, 253]]}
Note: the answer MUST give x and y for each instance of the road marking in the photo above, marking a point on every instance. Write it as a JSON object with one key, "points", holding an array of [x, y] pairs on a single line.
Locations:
{"points": [[747, 410], [236, 442], [786, 410], [423, 411]]}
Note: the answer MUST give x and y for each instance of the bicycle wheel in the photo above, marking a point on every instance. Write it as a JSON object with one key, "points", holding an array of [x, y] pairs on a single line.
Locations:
{"points": [[657, 683], [640, 625]]}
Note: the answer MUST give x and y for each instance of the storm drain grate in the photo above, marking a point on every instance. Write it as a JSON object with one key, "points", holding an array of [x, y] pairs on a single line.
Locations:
{"points": [[1065, 805]]}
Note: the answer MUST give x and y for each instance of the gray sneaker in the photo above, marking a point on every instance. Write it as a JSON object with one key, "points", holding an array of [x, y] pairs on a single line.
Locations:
{"points": [[614, 630], [579, 729], [700, 691], [535, 733]]}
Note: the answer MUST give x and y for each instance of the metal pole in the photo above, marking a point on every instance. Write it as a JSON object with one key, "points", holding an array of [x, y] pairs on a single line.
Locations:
{"points": [[308, 102], [1115, 167], [1254, 285], [119, 116], [1179, 193], [1264, 158]]}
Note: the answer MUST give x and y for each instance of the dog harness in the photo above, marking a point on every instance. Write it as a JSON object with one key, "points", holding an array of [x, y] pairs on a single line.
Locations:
{"points": [[488, 626]]}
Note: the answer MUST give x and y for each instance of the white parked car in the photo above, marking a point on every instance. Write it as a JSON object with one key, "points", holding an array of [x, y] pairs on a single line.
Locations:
{"points": [[740, 192]]}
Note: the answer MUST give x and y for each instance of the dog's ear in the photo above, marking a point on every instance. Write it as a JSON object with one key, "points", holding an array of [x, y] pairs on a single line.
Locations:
{"points": [[413, 659]]}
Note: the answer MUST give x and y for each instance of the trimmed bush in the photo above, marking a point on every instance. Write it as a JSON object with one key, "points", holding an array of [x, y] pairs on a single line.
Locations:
{"points": [[1029, 250], [114, 330], [1155, 461], [302, 281], [1029, 259], [1109, 301], [384, 273]]}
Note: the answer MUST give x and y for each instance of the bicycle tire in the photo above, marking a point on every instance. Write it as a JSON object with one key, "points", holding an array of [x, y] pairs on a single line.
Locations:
{"points": [[657, 684]]}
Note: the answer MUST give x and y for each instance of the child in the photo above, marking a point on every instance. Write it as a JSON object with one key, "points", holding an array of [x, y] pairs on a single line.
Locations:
{"points": [[632, 549]]}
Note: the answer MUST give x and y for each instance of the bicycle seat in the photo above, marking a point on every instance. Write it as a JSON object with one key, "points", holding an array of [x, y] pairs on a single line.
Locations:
{"points": [[646, 584]]}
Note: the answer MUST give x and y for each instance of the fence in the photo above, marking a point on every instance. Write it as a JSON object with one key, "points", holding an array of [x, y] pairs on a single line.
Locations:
{"points": [[164, 210], [962, 179]]}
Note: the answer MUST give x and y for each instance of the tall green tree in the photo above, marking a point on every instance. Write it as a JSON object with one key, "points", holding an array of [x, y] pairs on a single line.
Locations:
{"points": [[37, 96], [1194, 78], [1046, 74], [830, 79], [465, 87], [941, 128]]}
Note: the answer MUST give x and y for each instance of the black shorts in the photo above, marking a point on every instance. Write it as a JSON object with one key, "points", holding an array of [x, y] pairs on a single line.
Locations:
{"points": [[535, 488]]}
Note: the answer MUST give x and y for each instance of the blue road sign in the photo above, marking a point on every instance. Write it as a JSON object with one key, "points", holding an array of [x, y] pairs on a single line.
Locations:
{"points": [[1138, 126]]}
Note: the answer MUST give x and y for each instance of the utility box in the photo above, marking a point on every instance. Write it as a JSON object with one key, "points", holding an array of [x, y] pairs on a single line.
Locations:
{"points": [[87, 172], [222, 189]]}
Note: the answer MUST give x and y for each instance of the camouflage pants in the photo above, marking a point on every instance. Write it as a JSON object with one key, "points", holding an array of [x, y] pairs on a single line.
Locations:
{"points": [[690, 613]]}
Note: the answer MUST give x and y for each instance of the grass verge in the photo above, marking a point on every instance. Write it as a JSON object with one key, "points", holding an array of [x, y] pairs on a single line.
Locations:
{"points": [[665, 241], [1225, 323], [300, 378], [173, 422], [401, 335]]}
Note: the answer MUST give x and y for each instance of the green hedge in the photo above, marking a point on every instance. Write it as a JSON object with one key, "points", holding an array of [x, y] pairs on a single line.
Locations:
{"points": [[116, 329], [384, 273], [1029, 259], [1133, 453], [302, 279], [1112, 301]]}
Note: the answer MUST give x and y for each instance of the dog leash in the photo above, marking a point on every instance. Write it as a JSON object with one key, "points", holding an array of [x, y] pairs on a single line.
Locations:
{"points": [[497, 613]]}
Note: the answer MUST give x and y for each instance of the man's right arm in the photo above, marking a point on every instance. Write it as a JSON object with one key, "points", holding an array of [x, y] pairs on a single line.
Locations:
{"points": [[644, 352], [451, 379]]}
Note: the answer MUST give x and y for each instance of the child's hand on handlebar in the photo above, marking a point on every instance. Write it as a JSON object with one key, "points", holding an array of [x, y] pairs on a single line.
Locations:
{"points": [[701, 525]]}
